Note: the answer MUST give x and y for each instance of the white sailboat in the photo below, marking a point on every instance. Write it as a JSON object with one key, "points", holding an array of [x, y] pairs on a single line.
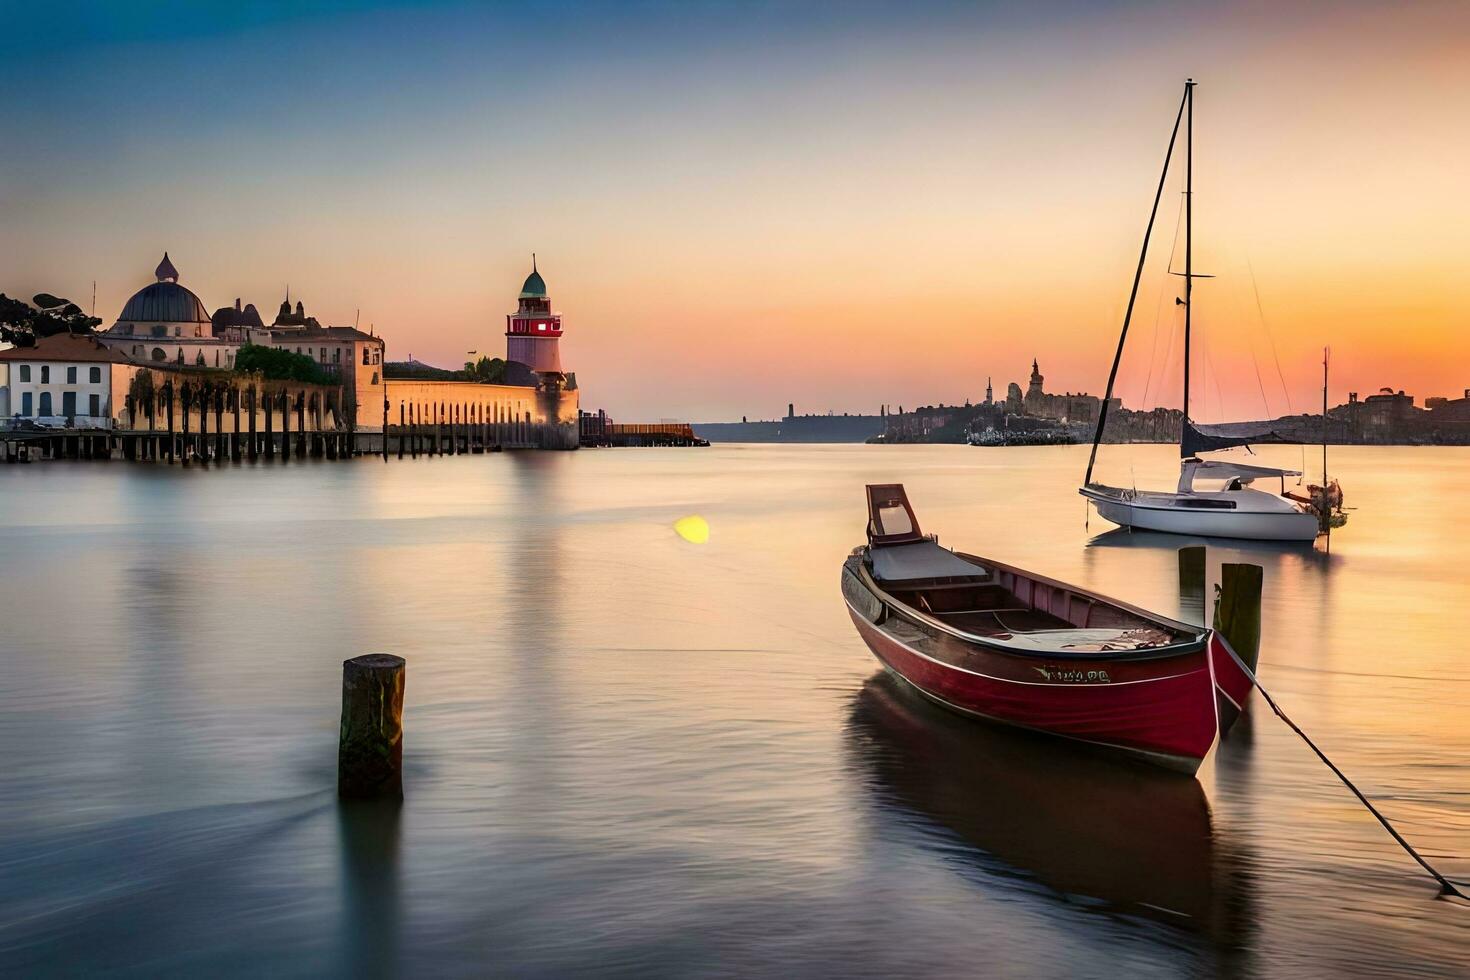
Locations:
{"points": [[1212, 498]]}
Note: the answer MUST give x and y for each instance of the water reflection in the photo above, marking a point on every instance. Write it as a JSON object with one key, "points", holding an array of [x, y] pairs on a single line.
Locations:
{"points": [[1101, 835], [1304, 551], [368, 833]]}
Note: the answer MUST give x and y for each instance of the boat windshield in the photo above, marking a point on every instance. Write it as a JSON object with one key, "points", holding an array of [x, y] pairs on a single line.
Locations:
{"points": [[892, 518]]}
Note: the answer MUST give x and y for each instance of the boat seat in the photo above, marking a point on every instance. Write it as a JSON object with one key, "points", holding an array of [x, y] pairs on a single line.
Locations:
{"points": [[920, 561]]}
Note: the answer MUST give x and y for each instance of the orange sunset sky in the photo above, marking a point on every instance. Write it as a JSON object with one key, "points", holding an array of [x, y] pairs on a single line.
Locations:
{"points": [[737, 206]]}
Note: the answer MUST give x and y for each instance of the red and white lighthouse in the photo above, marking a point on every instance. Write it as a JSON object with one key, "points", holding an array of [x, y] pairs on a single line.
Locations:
{"points": [[533, 332]]}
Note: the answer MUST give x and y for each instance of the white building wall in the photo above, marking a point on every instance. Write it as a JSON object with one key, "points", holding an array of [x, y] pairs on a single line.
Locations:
{"points": [[39, 390], [174, 351]]}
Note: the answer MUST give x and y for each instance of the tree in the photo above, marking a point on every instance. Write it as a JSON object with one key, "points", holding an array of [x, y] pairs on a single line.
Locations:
{"points": [[22, 323], [487, 370], [281, 365]]}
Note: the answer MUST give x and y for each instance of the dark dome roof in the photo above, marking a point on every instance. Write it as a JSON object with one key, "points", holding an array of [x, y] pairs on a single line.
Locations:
{"points": [[164, 302], [534, 286]]}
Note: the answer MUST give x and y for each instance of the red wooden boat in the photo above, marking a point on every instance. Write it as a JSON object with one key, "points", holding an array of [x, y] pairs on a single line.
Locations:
{"points": [[996, 642]]}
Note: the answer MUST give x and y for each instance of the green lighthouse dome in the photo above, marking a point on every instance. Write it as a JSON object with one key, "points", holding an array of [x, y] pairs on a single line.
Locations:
{"points": [[534, 286]]}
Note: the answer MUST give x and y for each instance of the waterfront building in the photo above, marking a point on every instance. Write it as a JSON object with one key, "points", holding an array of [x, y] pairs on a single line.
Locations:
{"points": [[353, 356], [165, 337], [64, 380], [1068, 407], [538, 403], [533, 332], [165, 323]]}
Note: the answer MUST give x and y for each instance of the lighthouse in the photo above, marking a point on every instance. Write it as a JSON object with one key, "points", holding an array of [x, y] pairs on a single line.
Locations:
{"points": [[533, 332]]}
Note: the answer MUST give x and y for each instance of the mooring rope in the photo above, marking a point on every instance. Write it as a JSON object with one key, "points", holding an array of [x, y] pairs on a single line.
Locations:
{"points": [[1447, 887]]}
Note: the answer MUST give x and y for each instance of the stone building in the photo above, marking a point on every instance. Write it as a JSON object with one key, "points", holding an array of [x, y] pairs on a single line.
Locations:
{"points": [[1068, 407], [165, 323]]}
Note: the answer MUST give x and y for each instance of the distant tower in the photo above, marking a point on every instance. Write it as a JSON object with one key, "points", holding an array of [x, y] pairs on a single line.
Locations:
{"points": [[989, 393], [1036, 379], [533, 332], [791, 410]]}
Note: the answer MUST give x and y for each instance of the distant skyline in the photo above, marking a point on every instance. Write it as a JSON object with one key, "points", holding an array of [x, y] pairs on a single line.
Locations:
{"points": [[738, 206]]}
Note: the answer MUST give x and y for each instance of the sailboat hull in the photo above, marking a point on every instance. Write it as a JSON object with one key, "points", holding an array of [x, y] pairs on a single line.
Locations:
{"points": [[1180, 514]]}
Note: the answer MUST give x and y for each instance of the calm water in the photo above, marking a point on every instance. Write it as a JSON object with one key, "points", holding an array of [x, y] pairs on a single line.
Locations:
{"points": [[628, 754]]}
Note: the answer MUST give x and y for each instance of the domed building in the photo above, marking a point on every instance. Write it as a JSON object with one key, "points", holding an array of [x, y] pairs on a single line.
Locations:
{"points": [[164, 322], [163, 309]]}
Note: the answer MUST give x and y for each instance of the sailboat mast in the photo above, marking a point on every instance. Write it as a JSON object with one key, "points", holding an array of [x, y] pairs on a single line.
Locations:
{"points": [[1326, 356], [1188, 232], [1102, 414]]}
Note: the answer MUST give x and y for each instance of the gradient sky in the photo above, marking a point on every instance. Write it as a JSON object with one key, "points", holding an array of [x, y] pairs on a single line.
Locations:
{"points": [[740, 205]]}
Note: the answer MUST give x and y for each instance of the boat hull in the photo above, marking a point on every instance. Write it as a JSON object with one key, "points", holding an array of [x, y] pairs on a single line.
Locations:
{"points": [[1250, 525], [1161, 710]]}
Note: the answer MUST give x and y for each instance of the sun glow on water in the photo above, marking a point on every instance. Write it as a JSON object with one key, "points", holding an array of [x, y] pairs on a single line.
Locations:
{"points": [[694, 529]]}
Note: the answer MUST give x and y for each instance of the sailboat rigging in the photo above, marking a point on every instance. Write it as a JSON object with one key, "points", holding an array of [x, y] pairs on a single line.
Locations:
{"points": [[1237, 510]]}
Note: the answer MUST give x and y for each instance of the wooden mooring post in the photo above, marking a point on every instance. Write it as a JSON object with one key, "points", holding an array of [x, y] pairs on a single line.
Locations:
{"points": [[1238, 621], [1238, 610], [370, 745]]}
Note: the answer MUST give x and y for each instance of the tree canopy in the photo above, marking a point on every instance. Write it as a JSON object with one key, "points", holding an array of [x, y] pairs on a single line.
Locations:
{"points": [[22, 323], [487, 370], [281, 365]]}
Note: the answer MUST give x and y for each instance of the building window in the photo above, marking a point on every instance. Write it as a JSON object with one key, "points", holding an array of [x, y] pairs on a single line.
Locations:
{"points": [[95, 375], [25, 404], [45, 403], [158, 354], [25, 374], [45, 374], [336, 355], [178, 331], [366, 357], [375, 377], [94, 406], [377, 357], [324, 355], [199, 359], [540, 326], [69, 403], [160, 331], [71, 375]]}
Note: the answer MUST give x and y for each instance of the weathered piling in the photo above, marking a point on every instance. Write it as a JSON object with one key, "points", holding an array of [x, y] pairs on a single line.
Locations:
{"points": [[1238, 610], [370, 746], [301, 425], [235, 448], [254, 444], [1238, 620], [285, 427]]}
